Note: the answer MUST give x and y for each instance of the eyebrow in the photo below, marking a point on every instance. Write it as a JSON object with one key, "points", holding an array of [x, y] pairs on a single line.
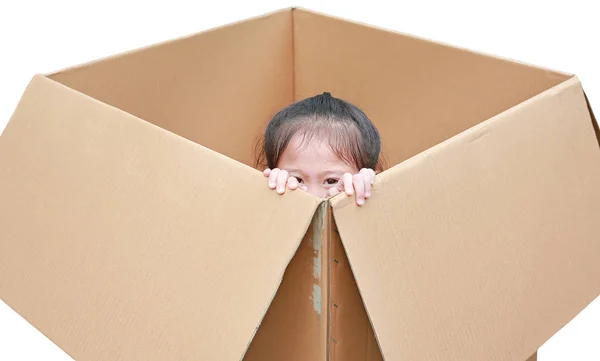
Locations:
{"points": [[329, 172], [334, 171]]}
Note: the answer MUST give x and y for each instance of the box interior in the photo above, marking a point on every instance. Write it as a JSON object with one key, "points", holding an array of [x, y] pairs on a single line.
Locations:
{"points": [[220, 88]]}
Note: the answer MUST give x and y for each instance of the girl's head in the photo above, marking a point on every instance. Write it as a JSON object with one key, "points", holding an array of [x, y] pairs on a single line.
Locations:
{"points": [[319, 139]]}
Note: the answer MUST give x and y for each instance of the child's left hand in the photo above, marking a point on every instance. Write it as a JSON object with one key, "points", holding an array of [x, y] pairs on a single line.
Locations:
{"points": [[359, 184]]}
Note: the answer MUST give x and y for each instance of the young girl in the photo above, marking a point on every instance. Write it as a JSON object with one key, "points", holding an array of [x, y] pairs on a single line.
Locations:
{"points": [[322, 145]]}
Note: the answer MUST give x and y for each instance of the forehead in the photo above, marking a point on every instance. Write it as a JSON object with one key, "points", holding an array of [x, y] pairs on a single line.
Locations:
{"points": [[311, 155], [317, 147]]}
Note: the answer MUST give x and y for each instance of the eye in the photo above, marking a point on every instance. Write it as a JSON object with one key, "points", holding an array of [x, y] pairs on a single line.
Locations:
{"points": [[331, 181], [299, 179]]}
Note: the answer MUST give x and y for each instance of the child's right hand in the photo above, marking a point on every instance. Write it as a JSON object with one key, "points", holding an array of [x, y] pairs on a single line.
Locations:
{"points": [[279, 179]]}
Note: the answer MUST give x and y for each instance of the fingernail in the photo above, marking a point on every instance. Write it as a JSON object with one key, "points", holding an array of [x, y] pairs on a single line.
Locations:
{"points": [[279, 190], [361, 202]]}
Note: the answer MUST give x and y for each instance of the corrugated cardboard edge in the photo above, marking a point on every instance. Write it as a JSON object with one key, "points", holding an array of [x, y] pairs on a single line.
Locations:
{"points": [[341, 201], [351, 336], [301, 303], [307, 223], [334, 202], [435, 42]]}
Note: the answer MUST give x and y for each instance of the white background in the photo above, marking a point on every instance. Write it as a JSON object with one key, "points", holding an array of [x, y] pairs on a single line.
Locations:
{"points": [[43, 36]]}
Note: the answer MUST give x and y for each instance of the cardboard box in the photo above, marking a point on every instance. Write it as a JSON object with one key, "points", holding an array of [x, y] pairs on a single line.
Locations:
{"points": [[133, 227]]}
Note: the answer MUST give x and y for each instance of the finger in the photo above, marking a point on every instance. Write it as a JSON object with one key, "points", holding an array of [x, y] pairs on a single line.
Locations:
{"points": [[273, 178], [282, 178], [368, 172], [368, 180], [347, 180], [359, 186], [266, 172], [333, 191], [292, 183], [304, 188]]}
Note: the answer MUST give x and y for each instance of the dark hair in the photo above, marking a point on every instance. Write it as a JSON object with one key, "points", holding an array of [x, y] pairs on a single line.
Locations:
{"points": [[350, 133]]}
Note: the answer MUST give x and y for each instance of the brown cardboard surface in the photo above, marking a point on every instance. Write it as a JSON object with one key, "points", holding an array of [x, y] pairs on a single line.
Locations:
{"points": [[217, 88], [484, 246], [295, 327], [351, 335], [120, 241], [417, 92]]}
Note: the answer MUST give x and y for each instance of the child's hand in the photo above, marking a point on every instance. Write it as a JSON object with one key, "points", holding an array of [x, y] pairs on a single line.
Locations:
{"points": [[359, 184], [279, 179]]}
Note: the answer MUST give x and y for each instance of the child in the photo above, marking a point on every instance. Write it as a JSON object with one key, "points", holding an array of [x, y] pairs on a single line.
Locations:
{"points": [[322, 145]]}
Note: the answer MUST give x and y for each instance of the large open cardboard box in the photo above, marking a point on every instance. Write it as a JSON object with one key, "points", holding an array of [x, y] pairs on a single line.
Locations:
{"points": [[133, 226]]}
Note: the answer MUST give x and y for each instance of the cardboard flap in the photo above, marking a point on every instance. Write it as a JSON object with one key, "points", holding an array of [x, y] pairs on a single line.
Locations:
{"points": [[122, 241], [484, 246], [408, 85], [223, 83]]}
